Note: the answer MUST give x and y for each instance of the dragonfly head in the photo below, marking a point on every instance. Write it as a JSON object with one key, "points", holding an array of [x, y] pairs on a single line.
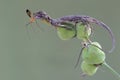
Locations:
{"points": [[41, 15], [32, 18]]}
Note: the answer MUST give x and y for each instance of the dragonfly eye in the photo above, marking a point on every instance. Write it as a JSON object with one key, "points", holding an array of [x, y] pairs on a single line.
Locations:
{"points": [[32, 19], [28, 12]]}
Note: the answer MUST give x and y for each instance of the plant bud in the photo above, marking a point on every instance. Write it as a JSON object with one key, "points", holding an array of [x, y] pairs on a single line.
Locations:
{"points": [[92, 54], [65, 34], [66, 30], [88, 69], [83, 31]]}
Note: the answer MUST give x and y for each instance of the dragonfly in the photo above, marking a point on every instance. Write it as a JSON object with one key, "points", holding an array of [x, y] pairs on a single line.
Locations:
{"points": [[68, 21]]}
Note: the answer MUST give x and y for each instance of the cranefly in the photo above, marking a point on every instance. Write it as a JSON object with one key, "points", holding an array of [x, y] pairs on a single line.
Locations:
{"points": [[72, 19]]}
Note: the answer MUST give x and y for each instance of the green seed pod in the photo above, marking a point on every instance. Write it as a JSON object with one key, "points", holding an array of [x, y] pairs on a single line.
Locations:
{"points": [[97, 44], [65, 33], [83, 31], [88, 69], [92, 54]]}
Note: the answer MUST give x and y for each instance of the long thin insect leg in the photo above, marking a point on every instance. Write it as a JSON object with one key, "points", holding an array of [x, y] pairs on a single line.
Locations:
{"points": [[75, 30], [28, 23], [38, 25], [98, 47], [79, 57], [27, 32]]}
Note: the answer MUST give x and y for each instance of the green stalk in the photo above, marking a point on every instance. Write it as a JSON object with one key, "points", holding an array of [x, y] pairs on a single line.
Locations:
{"points": [[112, 70]]}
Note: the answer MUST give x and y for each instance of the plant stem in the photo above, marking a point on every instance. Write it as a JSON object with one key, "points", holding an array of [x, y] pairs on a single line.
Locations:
{"points": [[111, 69]]}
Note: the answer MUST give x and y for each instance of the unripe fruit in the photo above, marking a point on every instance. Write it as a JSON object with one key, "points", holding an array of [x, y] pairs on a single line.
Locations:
{"points": [[92, 54], [66, 31], [88, 69], [83, 31]]}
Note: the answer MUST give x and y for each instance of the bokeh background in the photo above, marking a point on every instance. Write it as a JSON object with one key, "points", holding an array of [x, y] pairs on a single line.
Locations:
{"points": [[33, 53]]}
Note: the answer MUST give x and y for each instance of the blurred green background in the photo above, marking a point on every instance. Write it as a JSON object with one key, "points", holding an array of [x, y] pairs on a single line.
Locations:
{"points": [[44, 56]]}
